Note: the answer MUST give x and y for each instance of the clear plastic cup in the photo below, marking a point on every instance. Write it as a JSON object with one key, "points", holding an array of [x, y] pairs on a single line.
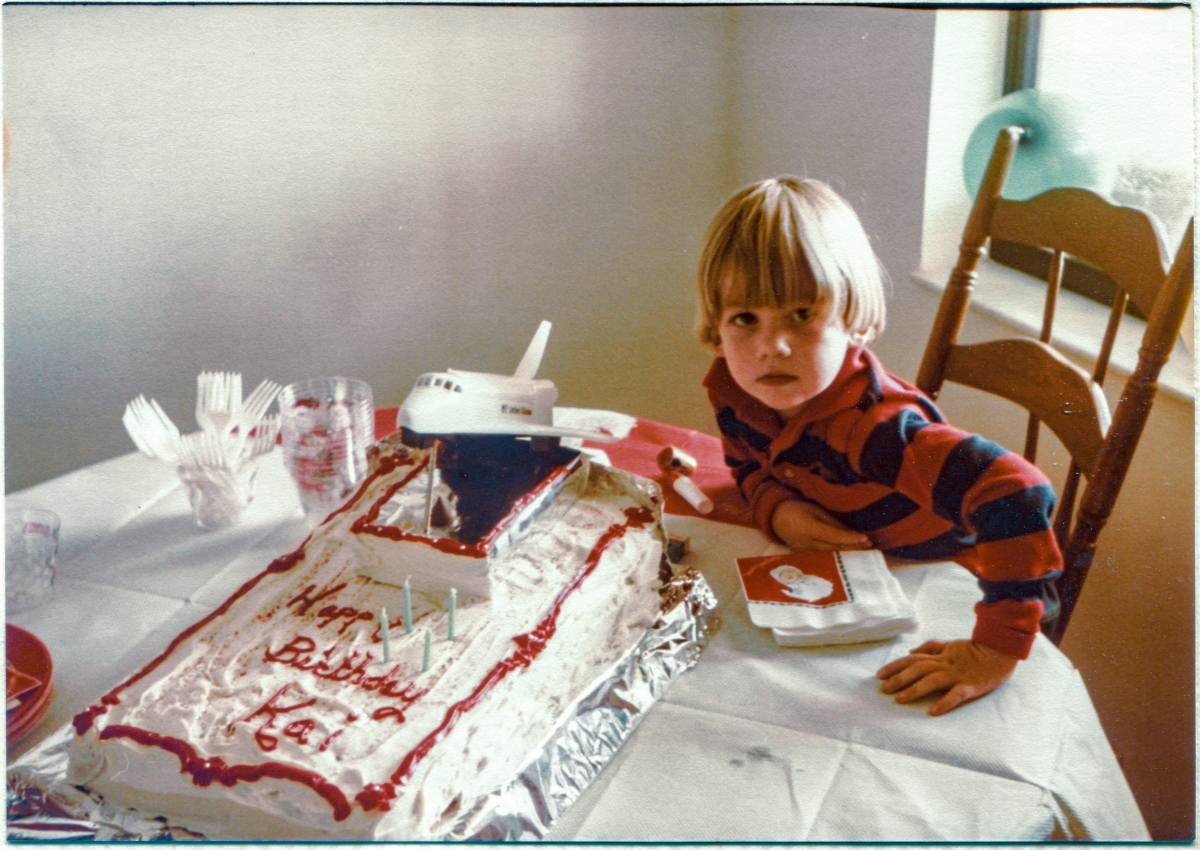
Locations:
{"points": [[219, 496], [30, 546], [326, 426]]}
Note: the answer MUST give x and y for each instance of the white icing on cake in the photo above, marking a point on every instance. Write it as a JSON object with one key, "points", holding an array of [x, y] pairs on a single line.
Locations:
{"points": [[277, 718], [394, 529]]}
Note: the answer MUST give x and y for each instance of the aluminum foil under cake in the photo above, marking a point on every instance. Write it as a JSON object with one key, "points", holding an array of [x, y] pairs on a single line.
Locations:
{"points": [[43, 805]]}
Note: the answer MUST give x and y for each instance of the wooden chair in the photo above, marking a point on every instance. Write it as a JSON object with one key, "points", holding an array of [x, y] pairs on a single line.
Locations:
{"points": [[1127, 246]]}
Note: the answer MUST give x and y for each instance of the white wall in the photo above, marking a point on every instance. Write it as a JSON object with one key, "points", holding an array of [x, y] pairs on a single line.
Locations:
{"points": [[293, 191], [842, 95]]}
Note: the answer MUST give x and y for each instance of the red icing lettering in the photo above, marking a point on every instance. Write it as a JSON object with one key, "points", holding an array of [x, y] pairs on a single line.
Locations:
{"points": [[307, 602], [332, 613], [206, 771], [291, 652], [325, 744], [347, 670], [389, 711], [377, 636], [272, 710], [352, 668], [298, 730]]}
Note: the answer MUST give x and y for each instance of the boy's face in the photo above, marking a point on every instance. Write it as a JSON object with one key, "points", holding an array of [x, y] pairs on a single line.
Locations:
{"points": [[783, 356]]}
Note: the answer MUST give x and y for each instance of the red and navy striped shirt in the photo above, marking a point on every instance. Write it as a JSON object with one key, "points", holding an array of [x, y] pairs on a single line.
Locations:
{"points": [[874, 452]]}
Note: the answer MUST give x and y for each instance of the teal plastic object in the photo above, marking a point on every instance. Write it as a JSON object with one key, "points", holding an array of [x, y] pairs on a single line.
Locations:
{"points": [[1058, 146]]}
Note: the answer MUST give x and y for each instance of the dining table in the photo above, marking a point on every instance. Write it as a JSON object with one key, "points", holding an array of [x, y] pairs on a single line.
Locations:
{"points": [[755, 743]]}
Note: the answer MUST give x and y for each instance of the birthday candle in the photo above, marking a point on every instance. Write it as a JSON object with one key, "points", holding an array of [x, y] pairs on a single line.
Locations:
{"points": [[407, 608], [428, 645], [450, 622], [383, 630]]}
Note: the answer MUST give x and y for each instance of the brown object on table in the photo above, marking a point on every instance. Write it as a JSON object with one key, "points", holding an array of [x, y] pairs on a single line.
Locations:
{"points": [[678, 467], [671, 459], [1127, 245]]}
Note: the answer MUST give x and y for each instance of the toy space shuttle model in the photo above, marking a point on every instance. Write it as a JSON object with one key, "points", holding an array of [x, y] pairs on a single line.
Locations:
{"points": [[456, 402]]}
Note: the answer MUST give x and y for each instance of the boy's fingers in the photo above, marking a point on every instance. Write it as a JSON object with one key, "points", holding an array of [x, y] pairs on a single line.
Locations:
{"points": [[838, 536], [916, 670], [935, 682], [956, 696], [893, 667], [929, 647], [915, 656]]}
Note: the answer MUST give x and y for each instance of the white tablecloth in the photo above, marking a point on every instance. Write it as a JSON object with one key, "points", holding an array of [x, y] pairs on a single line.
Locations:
{"points": [[756, 743]]}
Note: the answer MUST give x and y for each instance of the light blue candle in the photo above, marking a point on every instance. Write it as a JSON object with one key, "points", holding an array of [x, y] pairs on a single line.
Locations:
{"points": [[407, 609], [450, 621], [428, 646], [383, 630]]}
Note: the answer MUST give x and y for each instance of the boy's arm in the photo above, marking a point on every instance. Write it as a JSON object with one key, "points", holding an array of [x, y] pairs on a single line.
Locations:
{"points": [[1001, 499], [780, 512], [763, 492]]}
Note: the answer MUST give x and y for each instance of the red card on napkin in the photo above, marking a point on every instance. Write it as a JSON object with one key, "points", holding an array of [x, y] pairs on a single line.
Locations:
{"points": [[794, 578]]}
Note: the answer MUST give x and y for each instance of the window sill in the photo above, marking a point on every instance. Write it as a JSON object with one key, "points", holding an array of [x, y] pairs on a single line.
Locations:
{"points": [[1016, 300]]}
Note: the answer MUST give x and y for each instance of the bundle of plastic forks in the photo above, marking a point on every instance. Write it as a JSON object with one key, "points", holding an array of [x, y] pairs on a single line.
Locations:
{"points": [[217, 464]]}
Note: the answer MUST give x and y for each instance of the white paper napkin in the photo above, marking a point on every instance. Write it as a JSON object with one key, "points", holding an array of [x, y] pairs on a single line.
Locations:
{"points": [[818, 598]]}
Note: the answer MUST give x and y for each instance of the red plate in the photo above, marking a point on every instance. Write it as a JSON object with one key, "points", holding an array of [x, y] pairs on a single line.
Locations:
{"points": [[15, 734], [30, 656]]}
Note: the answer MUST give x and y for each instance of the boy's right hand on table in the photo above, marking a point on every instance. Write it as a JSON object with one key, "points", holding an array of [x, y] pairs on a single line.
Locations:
{"points": [[806, 527]]}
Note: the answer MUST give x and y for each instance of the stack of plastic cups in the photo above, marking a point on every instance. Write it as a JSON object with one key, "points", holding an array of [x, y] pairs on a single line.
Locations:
{"points": [[326, 426], [31, 543]]}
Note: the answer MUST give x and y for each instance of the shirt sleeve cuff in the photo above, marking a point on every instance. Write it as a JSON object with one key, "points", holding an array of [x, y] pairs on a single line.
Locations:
{"points": [[1008, 626], [766, 499]]}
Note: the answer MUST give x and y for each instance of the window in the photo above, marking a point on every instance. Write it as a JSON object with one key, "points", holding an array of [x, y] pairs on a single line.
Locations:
{"points": [[968, 75], [1130, 69]]}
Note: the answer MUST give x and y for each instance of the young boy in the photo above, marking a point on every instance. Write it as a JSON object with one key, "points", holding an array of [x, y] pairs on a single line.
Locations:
{"points": [[832, 452]]}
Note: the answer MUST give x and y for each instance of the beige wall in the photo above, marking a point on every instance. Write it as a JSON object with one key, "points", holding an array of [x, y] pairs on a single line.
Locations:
{"points": [[376, 191], [372, 191]]}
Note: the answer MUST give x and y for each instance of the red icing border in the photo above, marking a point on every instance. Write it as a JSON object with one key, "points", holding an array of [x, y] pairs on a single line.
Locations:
{"points": [[366, 523], [372, 796], [529, 647], [205, 771], [83, 720]]}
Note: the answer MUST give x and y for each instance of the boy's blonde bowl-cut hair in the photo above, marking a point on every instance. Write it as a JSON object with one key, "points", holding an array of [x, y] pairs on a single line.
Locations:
{"points": [[786, 240]]}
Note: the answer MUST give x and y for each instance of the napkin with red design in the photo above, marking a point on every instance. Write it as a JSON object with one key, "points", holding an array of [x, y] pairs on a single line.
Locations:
{"points": [[819, 598]]}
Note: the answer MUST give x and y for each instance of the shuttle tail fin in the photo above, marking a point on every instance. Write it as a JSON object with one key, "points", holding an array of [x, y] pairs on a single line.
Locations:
{"points": [[529, 364]]}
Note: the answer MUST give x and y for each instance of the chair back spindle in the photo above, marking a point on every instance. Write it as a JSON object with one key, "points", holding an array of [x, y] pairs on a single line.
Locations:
{"points": [[1124, 244]]}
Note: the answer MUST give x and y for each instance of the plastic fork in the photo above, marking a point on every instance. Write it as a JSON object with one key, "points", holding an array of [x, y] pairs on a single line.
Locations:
{"points": [[256, 404], [218, 401], [263, 441], [250, 411], [206, 449], [152, 430]]}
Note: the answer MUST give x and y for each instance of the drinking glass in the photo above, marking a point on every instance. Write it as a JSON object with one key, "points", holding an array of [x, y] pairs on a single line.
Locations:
{"points": [[326, 426], [30, 545]]}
